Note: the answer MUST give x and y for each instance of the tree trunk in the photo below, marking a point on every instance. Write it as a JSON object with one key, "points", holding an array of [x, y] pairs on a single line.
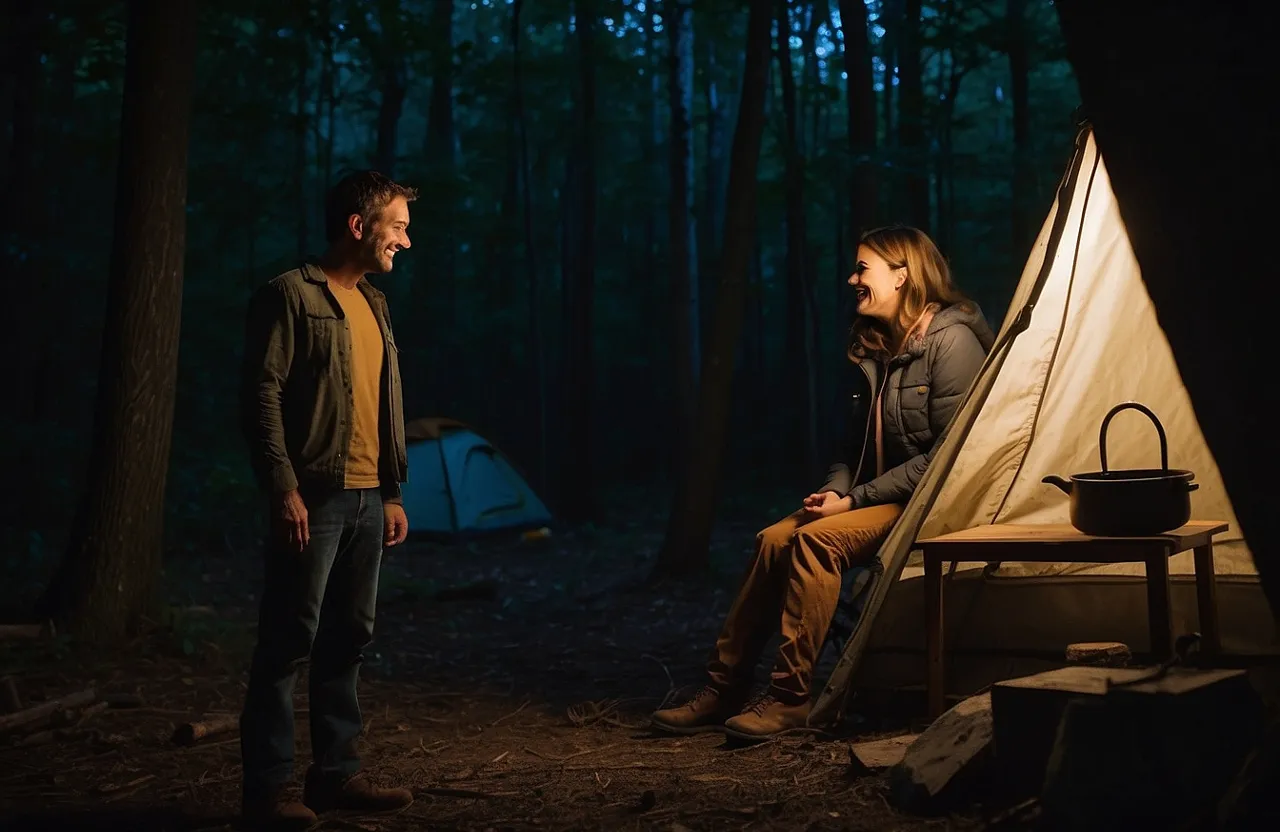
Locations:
{"points": [[537, 350], [394, 83], [104, 585], [796, 368], [1135, 90], [686, 545], [914, 152], [300, 128], [713, 165], [682, 230], [1182, 192], [325, 105], [441, 147], [860, 94], [579, 381], [1023, 223]]}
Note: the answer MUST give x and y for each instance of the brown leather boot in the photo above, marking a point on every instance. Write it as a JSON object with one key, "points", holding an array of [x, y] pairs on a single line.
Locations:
{"points": [[355, 793], [275, 810], [706, 711], [766, 717]]}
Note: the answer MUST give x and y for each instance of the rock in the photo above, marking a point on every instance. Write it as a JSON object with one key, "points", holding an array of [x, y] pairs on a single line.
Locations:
{"points": [[945, 761]]}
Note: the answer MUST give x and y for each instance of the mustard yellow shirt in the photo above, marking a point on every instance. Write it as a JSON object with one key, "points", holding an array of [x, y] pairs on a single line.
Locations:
{"points": [[366, 383]]}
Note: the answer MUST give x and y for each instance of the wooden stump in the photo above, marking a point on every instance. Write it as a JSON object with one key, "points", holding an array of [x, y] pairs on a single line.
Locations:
{"points": [[1099, 653]]}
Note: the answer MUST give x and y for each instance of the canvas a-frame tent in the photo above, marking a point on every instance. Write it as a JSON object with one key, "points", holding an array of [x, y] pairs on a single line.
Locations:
{"points": [[1081, 335], [460, 485]]}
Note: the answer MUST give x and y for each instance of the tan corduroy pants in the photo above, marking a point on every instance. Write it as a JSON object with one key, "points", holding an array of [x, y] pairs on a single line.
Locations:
{"points": [[795, 574]]}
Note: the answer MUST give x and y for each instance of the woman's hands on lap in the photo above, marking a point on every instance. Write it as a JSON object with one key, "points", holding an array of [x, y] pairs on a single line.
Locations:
{"points": [[824, 504]]}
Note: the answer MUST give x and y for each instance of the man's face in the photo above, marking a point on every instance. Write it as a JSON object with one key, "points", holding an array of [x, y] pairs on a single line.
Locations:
{"points": [[386, 234]]}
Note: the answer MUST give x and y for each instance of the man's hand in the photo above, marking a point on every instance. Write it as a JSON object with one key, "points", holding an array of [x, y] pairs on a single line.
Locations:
{"points": [[825, 504], [289, 519], [395, 524]]}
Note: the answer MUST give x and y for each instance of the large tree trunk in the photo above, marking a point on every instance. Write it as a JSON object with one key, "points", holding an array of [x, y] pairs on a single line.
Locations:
{"points": [[579, 380], [796, 368], [1189, 146], [914, 152], [683, 232], [1024, 222], [1182, 192], [688, 537], [106, 580]]}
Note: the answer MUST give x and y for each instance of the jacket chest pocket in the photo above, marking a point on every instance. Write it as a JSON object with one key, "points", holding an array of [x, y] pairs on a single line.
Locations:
{"points": [[324, 340], [913, 402]]}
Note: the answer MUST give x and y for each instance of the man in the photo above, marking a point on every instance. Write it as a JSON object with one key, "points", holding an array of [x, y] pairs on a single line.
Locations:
{"points": [[323, 417]]}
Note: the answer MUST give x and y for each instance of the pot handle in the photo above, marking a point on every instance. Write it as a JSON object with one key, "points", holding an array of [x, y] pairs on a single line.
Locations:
{"points": [[1102, 435]]}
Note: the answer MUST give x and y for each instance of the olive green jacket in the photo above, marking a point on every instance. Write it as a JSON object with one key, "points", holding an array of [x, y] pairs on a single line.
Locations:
{"points": [[296, 399]]}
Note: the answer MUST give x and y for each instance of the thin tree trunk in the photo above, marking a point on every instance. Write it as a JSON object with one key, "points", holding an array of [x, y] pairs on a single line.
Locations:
{"points": [[796, 367], [682, 229], [1018, 50], [911, 134], [105, 582], [537, 349], [441, 148], [327, 93], [579, 382], [300, 128], [686, 545]]}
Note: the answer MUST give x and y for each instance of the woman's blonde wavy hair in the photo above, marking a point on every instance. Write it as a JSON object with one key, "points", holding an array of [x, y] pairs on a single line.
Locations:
{"points": [[928, 288]]}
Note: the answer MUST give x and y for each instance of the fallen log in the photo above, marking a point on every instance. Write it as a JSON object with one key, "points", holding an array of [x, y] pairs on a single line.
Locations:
{"points": [[190, 733], [21, 631], [30, 716]]}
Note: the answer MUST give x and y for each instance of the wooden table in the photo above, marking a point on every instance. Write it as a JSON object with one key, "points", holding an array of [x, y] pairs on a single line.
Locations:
{"points": [[1064, 544]]}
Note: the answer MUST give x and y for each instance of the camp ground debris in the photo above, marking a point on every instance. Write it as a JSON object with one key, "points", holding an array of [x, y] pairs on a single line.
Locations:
{"points": [[461, 485], [1080, 335]]}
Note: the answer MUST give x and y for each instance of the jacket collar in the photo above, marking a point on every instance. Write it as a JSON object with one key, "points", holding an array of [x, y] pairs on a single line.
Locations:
{"points": [[312, 273]]}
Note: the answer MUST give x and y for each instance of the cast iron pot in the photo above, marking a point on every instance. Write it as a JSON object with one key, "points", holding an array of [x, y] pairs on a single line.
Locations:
{"points": [[1132, 502]]}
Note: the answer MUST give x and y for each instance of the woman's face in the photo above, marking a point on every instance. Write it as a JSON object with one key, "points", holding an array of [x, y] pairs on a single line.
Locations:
{"points": [[876, 285]]}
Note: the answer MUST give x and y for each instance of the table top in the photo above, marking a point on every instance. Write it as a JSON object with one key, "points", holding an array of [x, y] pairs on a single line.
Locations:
{"points": [[1061, 541]]}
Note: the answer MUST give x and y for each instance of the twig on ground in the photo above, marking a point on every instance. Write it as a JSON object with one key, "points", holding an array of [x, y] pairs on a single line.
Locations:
{"points": [[670, 681], [570, 756], [500, 719]]}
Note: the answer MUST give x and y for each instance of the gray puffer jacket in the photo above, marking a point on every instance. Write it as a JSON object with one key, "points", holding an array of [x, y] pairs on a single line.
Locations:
{"points": [[921, 391]]}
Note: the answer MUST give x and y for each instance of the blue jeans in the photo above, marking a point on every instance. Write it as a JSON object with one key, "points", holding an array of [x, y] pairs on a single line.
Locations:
{"points": [[318, 603]]}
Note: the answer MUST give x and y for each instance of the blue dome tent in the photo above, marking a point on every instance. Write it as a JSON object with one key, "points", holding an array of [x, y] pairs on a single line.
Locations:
{"points": [[460, 485]]}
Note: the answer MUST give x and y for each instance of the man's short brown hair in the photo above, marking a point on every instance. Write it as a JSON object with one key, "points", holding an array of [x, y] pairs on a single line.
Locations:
{"points": [[364, 193]]}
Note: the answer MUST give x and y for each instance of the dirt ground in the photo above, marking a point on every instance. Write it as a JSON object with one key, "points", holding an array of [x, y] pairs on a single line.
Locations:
{"points": [[508, 686]]}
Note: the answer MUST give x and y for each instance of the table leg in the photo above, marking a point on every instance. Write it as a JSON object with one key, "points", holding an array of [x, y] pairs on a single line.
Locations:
{"points": [[1159, 609], [1207, 601], [933, 633]]}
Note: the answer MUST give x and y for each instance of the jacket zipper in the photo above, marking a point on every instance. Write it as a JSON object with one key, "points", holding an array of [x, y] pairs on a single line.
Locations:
{"points": [[866, 434]]}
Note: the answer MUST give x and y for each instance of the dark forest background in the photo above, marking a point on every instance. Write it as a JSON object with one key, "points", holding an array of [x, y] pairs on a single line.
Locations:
{"points": [[573, 160]]}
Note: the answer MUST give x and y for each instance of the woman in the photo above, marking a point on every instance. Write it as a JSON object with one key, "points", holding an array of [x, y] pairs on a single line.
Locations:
{"points": [[920, 344]]}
